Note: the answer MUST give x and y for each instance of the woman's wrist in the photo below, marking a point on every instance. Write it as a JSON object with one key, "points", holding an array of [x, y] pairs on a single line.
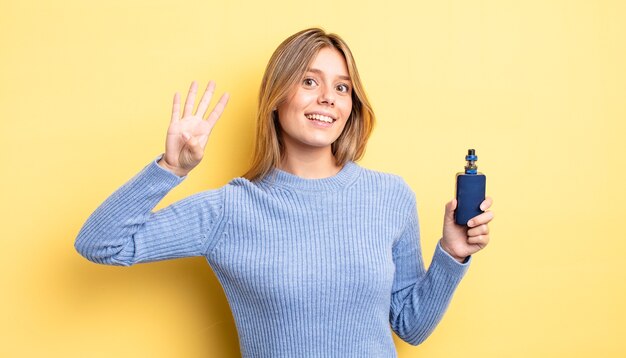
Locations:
{"points": [[163, 164], [452, 254]]}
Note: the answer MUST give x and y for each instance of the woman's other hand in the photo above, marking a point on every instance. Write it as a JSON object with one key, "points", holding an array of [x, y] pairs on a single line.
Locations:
{"points": [[462, 241], [188, 135]]}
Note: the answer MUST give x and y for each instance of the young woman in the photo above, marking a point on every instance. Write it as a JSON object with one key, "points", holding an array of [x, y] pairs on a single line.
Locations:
{"points": [[318, 256]]}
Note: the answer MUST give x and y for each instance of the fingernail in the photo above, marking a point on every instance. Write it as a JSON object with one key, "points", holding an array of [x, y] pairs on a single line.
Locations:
{"points": [[470, 223]]}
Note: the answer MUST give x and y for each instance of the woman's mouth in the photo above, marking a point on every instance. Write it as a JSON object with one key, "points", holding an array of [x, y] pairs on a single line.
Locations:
{"points": [[320, 117]]}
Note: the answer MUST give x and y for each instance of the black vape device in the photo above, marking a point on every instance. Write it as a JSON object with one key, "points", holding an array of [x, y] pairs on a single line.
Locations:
{"points": [[470, 190]]}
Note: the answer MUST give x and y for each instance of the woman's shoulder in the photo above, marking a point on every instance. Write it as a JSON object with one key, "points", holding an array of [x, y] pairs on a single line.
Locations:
{"points": [[383, 177], [242, 186], [386, 181]]}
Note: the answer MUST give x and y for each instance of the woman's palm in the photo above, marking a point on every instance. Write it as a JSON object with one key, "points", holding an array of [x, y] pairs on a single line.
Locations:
{"points": [[187, 136]]}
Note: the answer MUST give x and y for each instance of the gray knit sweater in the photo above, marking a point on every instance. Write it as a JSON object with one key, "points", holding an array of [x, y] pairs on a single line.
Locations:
{"points": [[310, 267]]}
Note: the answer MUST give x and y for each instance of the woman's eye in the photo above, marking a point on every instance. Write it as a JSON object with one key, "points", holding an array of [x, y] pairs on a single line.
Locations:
{"points": [[343, 88], [309, 82]]}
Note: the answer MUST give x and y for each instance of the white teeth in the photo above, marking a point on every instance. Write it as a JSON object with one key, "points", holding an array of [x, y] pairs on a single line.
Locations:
{"points": [[320, 117]]}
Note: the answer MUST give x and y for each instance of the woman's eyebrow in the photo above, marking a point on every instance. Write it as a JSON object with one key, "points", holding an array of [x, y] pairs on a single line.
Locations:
{"points": [[320, 72]]}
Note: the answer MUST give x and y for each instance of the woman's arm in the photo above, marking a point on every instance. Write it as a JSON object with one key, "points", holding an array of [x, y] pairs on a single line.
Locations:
{"points": [[124, 230], [419, 297]]}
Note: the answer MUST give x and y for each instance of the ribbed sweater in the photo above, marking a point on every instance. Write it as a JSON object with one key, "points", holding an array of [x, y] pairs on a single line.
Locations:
{"points": [[310, 267]]}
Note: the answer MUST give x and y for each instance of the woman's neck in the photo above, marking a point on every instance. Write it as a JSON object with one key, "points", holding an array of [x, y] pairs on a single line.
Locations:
{"points": [[310, 165]]}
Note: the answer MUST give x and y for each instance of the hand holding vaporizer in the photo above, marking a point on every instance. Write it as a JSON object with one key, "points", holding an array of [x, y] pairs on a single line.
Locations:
{"points": [[466, 220], [470, 190]]}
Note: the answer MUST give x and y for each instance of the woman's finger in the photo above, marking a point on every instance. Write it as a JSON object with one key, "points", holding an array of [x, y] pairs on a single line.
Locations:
{"points": [[206, 99], [483, 218], [479, 230], [218, 110], [176, 108], [481, 240], [191, 98], [486, 204]]}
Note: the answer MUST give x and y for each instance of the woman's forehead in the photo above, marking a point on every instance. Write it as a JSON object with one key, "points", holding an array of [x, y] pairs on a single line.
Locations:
{"points": [[330, 62]]}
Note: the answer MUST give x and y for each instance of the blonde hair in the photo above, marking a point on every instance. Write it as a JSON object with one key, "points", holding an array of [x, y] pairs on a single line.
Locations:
{"points": [[285, 69]]}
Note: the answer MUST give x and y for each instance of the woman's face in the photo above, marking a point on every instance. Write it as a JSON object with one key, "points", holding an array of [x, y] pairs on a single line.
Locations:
{"points": [[315, 113]]}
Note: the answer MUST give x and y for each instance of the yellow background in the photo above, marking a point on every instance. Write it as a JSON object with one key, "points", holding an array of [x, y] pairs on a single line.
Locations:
{"points": [[537, 87]]}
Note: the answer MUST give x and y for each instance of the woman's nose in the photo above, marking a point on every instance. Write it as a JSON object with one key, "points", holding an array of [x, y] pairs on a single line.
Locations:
{"points": [[326, 96]]}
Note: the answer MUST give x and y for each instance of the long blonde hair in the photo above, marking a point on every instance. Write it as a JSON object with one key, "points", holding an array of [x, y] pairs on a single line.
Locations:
{"points": [[285, 69]]}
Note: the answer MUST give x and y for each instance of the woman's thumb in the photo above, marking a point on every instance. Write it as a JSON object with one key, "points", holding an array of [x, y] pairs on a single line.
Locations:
{"points": [[195, 148], [450, 207], [191, 143]]}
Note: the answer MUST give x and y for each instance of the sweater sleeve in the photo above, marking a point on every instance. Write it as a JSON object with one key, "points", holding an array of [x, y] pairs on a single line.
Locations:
{"points": [[123, 230], [419, 297]]}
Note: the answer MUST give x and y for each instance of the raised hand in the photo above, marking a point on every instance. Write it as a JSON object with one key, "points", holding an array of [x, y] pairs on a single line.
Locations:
{"points": [[187, 136], [462, 241]]}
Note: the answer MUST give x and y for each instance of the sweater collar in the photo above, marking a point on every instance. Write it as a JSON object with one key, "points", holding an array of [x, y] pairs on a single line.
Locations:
{"points": [[347, 174]]}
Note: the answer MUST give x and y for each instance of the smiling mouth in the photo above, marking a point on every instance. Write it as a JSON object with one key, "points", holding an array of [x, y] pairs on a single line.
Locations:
{"points": [[320, 117]]}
